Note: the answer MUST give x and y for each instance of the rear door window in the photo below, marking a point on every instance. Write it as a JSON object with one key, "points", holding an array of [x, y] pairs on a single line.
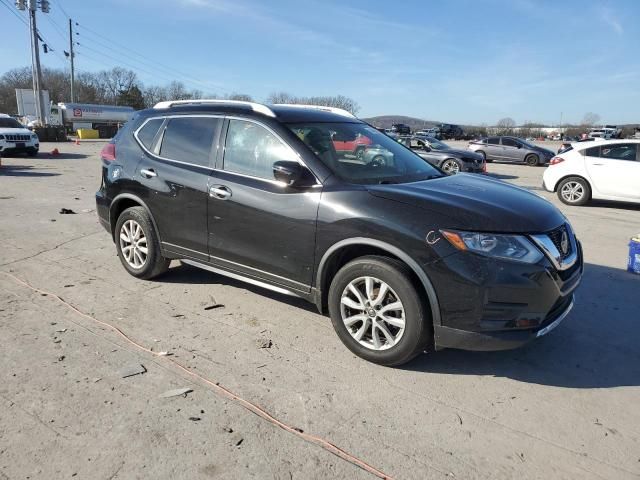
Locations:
{"points": [[190, 139], [493, 141], [592, 152], [509, 142], [619, 151], [148, 132]]}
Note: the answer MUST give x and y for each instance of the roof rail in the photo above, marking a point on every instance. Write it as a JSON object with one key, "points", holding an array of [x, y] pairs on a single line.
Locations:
{"points": [[256, 107], [337, 111]]}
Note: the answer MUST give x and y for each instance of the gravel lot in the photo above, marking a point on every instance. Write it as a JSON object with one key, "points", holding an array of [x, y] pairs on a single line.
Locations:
{"points": [[566, 406]]}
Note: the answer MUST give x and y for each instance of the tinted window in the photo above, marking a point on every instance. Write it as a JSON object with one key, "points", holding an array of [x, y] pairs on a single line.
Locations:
{"points": [[509, 142], [252, 150], [189, 139], [593, 152], [493, 141], [148, 132], [619, 151], [7, 122]]}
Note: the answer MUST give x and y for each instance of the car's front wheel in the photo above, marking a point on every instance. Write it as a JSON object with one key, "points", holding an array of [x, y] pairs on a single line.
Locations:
{"points": [[138, 245], [377, 312], [574, 191], [531, 160]]}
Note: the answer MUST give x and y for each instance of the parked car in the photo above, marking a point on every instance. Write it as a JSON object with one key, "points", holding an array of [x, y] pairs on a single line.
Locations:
{"points": [[401, 256], [449, 131], [15, 138], [401, 129], [441, 155], [511, 149], [605, 170], [352, 145]]}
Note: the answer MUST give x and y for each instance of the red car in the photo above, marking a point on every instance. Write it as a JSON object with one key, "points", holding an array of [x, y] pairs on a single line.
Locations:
{"points": [[355, 146]]}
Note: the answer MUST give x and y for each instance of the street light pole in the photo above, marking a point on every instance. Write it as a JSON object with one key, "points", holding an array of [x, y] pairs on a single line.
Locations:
{"points": [[35, 68]]}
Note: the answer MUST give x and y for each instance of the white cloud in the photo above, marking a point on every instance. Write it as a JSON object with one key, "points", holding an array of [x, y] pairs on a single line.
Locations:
{"points": [[609, 17]]}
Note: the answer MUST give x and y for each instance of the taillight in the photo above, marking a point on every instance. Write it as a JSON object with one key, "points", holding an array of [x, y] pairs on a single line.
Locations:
{"points": [[108, 152], [556, 160]]}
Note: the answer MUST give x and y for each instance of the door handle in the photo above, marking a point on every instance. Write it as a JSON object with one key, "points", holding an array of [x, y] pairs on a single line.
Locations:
{"points": [[220, 192], [148, 172], [598, 164]]}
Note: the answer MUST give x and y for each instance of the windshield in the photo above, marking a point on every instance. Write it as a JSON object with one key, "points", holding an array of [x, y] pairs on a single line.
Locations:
{"points": [[358, 153], [437, 144], [10, 123]]}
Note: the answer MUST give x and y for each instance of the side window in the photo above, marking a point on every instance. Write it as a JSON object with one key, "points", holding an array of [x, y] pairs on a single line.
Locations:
{"points": [[251, 149], [417, 144], [147, 133], [509, 142], [189, 139], [593, 152], [619, 151], [493, 141]]}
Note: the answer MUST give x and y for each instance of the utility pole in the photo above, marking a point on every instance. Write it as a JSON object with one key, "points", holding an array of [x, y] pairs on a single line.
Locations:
{"points": [[73, 98], [36, 71]]}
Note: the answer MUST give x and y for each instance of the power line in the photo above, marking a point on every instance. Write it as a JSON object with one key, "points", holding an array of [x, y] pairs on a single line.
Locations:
{"points": [[15, 13], [62, 9], [156, 65]]}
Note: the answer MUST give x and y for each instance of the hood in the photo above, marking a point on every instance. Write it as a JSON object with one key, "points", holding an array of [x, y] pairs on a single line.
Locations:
{"points": [[15, 131], [544, 150], [459, 152], [477, 203]]}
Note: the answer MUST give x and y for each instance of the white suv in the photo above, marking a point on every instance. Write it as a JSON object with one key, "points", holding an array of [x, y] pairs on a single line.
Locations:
{"points": [[606, 170], [15, 138]]}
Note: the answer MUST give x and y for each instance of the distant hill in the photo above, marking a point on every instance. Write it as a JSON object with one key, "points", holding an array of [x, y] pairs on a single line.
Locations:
{"points": [[385, 121]]}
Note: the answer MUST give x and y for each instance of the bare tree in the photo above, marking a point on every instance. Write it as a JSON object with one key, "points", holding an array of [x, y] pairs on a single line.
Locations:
{"points": [[280, 97], [506, 126], [338, 101], [590, 119], [114, 81]]}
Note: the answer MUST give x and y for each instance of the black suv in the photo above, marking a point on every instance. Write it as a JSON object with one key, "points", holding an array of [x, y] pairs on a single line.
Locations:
{"points": [[403, 257]]}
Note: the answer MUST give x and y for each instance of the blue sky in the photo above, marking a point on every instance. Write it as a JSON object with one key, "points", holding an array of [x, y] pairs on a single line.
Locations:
{"points": [[462, 61]]}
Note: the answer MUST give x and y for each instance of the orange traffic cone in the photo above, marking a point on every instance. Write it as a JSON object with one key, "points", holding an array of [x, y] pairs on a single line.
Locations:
{"points": [[77, 141], [55, 151]]}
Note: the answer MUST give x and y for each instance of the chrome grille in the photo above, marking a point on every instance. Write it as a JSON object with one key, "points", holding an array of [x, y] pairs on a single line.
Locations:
{"points": [[556, 237], [18, 138]]}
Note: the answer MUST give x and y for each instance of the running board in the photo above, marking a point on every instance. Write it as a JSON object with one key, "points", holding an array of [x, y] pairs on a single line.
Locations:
{"points": [[242, 278]]}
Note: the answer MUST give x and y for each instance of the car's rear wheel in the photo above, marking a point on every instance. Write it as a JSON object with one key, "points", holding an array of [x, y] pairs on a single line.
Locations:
{"points": [[574, 191], [138, 245], [450, 166], [532, 160], [360, 153], [377, 312]]}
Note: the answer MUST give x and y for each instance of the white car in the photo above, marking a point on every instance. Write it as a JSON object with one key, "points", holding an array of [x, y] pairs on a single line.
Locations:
{"points": [[15, 138], [604, 170]]}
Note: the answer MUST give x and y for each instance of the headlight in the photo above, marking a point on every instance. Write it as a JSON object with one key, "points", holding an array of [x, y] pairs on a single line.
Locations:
{"points": [[509, 247], [34, 136]]}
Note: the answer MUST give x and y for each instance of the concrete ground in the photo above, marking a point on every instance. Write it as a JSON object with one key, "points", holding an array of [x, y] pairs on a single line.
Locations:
{"points": [[566, 406]]}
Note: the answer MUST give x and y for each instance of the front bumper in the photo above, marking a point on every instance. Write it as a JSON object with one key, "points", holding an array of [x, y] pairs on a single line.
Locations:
{"points": [[11, 148], [489, 304]]}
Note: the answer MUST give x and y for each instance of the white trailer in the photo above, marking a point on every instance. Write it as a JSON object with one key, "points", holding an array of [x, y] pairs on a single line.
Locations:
{"points": [[104, 118]]}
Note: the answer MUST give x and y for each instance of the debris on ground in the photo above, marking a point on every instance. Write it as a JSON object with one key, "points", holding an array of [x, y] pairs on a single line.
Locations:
{"points": [[176, 393], [216, 305], [195, 419], [178, 315], [264, 343], [228, 429], [165, 354], [61, 330], [61, 358], [67, 211], [97, 379], [131, 370], [69, 285]]}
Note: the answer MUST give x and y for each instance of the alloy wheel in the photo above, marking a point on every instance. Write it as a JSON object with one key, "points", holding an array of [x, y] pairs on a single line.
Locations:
{"points": [[572, 192], [451, 167], [373, 313], [133, 244]]}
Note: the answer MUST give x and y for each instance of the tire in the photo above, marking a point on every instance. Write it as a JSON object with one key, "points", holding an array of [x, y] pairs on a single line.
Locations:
{"points": [[379, 160], [484, 155], [532, 160], [359, 153], [405, 342], [574, 191], [450, 166], [135, 261]]}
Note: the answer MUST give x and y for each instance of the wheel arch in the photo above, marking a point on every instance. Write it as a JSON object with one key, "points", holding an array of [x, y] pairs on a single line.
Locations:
{"points": [[346, 250], [581, 177], [127, 200]]}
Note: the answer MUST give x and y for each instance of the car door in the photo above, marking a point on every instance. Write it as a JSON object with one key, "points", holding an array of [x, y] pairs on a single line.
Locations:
{"points": [[493, 148], [614, 169], [511, 150], [175, 175], [424, 150], [259, 227]]}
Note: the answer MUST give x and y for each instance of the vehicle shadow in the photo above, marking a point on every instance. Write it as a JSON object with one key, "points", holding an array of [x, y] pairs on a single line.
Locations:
{"points": [[501, 176], [23, 171], [595, 347], [187, 274], [616, 205], [62, 156]]}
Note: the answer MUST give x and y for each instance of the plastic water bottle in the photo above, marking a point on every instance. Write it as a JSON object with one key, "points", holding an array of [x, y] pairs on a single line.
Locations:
{"points": [[634, 255]]}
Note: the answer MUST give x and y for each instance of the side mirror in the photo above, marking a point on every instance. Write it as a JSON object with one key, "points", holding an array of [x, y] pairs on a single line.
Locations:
{"points": [[519, 145], [292, 174]]}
